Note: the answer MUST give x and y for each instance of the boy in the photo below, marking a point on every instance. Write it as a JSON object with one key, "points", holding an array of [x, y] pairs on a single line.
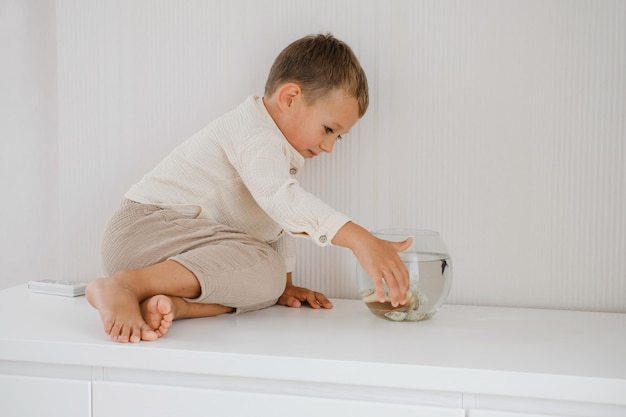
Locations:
{"points": [[210, 229]]}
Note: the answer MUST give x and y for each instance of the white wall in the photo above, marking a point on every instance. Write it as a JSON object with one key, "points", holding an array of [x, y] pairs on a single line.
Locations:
{"points": [[29, 154], [500, 124]]}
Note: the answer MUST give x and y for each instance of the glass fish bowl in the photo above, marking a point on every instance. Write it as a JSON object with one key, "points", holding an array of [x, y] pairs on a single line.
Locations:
{"points": [[430, 272]]}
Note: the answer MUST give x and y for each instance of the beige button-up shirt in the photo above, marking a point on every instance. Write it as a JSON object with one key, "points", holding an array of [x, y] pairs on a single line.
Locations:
{"points": [[240, 171]]}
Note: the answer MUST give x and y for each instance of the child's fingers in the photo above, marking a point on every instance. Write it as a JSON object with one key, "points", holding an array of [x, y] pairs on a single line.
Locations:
{"points": [[397, 281], [318, 300], [325, 302], [312, 300], [404, 245], [385, 267], [289, 301], [294, 302], [403, 273], [397, 294], [379, 284], [295, 296]]}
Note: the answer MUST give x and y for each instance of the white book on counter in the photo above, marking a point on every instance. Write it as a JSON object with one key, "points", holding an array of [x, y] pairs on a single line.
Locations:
{"points": [[58, 287]]}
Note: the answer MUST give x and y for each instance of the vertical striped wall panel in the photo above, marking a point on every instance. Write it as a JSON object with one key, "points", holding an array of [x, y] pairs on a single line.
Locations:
{"points": [[499, 124]]}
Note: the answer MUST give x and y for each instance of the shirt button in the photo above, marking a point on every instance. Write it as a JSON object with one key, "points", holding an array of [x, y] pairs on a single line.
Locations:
{"points": [[323, 239], [293, 171]]}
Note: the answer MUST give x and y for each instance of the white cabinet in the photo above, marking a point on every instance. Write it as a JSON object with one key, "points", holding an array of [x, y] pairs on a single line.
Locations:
{"points": [[467, 361], [26, 396], [113, 399]]}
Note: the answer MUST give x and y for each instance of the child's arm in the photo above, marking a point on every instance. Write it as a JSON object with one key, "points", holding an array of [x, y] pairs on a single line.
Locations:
{"points": [[294, 296], [379, 258]]}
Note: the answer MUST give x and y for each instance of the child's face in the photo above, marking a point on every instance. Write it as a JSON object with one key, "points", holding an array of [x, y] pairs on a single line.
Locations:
{"points": [[312, 129]]}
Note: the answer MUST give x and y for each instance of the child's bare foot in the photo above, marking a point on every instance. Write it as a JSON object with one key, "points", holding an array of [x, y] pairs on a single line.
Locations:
{"points": [[159, 312], [119, 310]]}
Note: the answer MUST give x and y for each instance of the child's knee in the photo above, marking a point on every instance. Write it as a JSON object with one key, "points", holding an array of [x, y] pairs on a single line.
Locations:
{"points": [[276, 277]]}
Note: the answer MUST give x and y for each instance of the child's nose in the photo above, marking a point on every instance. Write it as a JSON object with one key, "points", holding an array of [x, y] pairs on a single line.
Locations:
{"points": [[328, 144]]}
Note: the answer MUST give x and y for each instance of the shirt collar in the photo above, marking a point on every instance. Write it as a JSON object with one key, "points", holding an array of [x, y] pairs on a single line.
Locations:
{"points": [[296, 159]]}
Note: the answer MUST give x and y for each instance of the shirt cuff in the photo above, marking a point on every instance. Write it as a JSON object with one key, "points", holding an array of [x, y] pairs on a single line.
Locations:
{"points": [[324, 235]]}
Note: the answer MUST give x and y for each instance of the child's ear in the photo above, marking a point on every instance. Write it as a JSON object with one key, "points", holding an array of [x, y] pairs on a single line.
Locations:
{"points": [[288, 95]]}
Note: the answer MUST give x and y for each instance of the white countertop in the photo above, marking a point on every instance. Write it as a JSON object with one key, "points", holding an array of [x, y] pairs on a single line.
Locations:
{"points": [[567, 355]]}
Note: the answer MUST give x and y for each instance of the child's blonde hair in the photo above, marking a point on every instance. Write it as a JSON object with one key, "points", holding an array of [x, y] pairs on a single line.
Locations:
{"points": [[320, 64]]}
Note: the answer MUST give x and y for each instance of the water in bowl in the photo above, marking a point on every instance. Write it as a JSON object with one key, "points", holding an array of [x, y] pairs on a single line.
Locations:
{"points": [[431, 277]]}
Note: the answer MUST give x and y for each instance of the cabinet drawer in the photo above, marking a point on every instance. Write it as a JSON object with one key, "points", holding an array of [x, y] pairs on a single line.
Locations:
{"points": [[51, 397], [130, 400], [492, 413]]}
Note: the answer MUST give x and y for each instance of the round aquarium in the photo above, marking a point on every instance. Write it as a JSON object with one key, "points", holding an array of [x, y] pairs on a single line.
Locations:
{"points": [[430, 272]]}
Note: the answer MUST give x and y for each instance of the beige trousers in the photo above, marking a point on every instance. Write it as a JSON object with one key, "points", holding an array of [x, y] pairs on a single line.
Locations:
{"points": [[233, 269]]}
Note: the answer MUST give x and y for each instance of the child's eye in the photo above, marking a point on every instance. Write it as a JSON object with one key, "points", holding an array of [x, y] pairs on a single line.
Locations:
{"points": [[329, 131]]}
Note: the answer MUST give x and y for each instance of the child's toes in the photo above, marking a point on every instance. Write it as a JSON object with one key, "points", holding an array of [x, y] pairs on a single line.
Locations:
{"points": [[147, 333], [115, 332], [124, 336], [135, 335], [108, 325]]}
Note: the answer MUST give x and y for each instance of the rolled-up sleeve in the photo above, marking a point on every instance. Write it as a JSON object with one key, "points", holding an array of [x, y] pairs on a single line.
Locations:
{"points": [[268, 166], [302, 213]]}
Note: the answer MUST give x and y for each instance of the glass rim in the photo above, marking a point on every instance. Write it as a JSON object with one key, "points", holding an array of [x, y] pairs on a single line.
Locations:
{"points": [[405, 232]]}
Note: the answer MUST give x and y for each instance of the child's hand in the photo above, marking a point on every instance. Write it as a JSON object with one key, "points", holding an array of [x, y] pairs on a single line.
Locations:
{"points": [[380, 259], [294, 297]]}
